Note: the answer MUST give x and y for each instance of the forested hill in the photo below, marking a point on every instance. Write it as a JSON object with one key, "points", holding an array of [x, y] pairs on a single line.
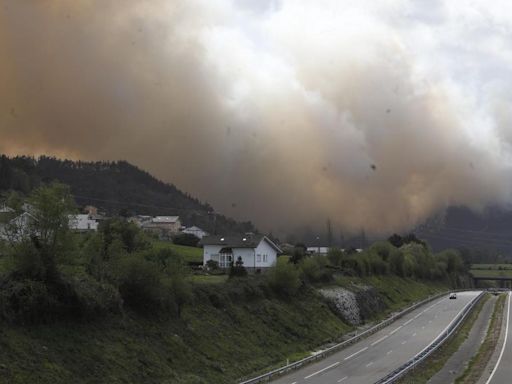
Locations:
{"points": [[115, 187]]}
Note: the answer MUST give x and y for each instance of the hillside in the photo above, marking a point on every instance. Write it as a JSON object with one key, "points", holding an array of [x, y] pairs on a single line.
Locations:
{"points": [[460, 227], [115, 187], [232, 330]]}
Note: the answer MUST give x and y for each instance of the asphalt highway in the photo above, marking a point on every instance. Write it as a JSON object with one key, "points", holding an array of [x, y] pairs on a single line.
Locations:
{"points": [[376, 356], [502, 372]]}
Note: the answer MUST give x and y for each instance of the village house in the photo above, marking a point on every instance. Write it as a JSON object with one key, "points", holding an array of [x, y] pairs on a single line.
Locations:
{"points": [[196, 231], [82, 223], [317, 250], [163, 226], [18, 228], [257, 252]]}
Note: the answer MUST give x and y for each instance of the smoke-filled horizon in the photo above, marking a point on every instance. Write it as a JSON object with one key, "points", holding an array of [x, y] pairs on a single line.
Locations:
{"points": [[373, 114]]}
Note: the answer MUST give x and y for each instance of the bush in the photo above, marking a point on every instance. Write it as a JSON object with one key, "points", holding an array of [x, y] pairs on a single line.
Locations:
{"points": [[335, 256], [238, 269], [284, 279], [186, 239], [314, 270], [212, 265], [141, 286], [26, 301], [91, 298]]}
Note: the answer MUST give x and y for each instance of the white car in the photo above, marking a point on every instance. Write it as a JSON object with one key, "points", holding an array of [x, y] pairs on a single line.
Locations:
{"points": [[453, 295]]}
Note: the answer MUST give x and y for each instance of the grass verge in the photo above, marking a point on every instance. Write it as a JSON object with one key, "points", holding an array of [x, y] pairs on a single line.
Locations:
{"points": [[478, 363], [437, 360]]}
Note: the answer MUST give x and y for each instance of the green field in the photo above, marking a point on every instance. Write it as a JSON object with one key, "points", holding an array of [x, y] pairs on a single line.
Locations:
{"points": [[194, 254], [492, 266], [491, 273]]}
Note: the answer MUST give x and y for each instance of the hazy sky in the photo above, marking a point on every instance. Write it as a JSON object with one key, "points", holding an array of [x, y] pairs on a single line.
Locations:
{"points": [[376, 114]]}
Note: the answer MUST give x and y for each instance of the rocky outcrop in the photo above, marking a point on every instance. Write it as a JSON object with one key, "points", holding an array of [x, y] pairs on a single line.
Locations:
{"points": [[344, 302], [354, 306]]}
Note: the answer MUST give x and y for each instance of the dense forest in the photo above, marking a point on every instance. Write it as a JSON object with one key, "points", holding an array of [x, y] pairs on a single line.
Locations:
{"points": [[118, 188]]}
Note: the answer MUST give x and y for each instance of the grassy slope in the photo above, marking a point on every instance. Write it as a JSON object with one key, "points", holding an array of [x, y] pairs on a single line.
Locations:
{"points": [[210, 344], [188, 253]]}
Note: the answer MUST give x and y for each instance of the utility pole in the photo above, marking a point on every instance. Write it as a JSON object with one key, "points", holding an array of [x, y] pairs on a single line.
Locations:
{"points": [[329, 233]]}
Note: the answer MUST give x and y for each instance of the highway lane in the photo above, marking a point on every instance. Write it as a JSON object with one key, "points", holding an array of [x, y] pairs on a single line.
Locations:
{"points": [[374, 357], [502, 372]]}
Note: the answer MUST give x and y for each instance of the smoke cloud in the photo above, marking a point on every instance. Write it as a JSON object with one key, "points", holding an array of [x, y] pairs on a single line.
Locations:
{"points": [[373, 114]]}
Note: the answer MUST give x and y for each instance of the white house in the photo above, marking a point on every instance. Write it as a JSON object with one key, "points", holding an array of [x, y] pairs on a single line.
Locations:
{"points": [[18, 228], [82, 223], [255, 251], [196, 231], [318, 250]]}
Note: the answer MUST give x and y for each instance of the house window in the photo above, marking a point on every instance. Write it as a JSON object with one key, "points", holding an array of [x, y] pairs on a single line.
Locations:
{"points": [[264, 258], [225, 260], [258, 258]]}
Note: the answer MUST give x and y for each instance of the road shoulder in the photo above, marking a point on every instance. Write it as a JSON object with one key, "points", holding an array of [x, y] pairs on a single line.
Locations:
{"points": [[457, 363]]}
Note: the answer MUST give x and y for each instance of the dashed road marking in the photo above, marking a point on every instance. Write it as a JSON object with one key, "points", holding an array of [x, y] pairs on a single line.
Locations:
{"points": [[414, 335], [408, 321], [393, 331], [370, 363], [403, 342], [322, 370], [357, 353], [389, 352], [378, 341], [343, 378]]}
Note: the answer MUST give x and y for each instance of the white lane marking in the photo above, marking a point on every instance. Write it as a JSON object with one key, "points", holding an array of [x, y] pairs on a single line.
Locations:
{"points": [[294, 382], [393, 331], [378, 341], [423, 327], [324, 369], [370, 363], [343, 378], [418, 315], [389, 352], [357, 353], [408, 322], [504, 344], [414, 335], [403, 342], [449, 325]]}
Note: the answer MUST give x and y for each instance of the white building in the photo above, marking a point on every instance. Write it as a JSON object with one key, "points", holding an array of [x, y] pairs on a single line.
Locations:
{"points": [[255, 251], [82, 223], [163, 226], [196, 231], [318, 250], [18, 228]]}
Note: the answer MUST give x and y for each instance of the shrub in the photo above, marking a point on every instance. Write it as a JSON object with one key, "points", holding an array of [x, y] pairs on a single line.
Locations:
{"points": [[335, 256], [212, 265], [313, 269], [238, 269], [284, 279], [89, 298], [186, 239], [141, 286], [26, 301]]}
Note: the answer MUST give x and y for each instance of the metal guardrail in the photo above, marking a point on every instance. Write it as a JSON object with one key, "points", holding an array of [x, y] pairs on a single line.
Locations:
{"points": [[432, 347], [335, 348]]}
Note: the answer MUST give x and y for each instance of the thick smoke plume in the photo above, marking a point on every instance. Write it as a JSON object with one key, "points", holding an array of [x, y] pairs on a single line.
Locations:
{"points": [[374, 114]]}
